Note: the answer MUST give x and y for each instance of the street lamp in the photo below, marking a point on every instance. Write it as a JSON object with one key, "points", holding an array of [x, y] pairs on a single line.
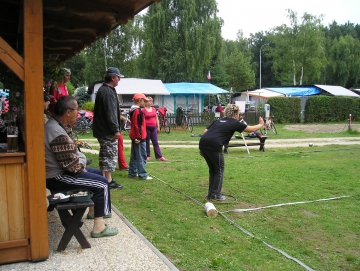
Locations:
{"points": [[260, 60]]}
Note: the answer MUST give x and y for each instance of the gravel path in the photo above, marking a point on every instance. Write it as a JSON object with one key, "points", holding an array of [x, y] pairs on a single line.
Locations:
{"points": [[270, 143]]}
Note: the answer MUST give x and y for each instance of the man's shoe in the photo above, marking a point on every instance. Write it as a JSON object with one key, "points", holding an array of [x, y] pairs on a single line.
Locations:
{"points": [[222, 197], [147, 178], [130, 176], [114, 185], [162, 159], [127, 168], [105, 233]]}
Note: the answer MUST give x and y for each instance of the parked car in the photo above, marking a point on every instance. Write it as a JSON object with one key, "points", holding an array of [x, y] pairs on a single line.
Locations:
{"points": [[88, 114]]}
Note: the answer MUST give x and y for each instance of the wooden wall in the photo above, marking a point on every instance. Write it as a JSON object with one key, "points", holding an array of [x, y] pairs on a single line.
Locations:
{"points": [[14, 230]]}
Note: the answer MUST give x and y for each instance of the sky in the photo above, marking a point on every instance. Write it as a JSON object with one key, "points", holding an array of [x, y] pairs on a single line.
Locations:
{"points": [[262, 15]]}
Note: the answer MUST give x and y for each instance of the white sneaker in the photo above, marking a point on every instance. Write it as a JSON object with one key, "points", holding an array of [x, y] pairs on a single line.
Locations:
{"points": [[147, 178]]}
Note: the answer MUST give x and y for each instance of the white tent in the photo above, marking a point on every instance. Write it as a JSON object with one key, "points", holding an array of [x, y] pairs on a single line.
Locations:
{"points": [[264, 93], [127, 87], [137, 85], [337, 90]]}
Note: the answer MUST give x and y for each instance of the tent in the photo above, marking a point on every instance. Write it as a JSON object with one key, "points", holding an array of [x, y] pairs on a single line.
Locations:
{"points": [[337, 90], [189, 95], [136, 85], [193, 88], [297, 91], [264, 93], [127, 87], [314, 90]]}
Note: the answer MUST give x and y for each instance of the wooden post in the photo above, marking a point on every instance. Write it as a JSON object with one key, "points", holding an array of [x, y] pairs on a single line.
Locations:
{"points": [[34, 129]]}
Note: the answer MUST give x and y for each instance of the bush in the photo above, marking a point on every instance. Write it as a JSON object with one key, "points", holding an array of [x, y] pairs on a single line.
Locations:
{"points": [[88, 106], [285, 109], [81, 95]]}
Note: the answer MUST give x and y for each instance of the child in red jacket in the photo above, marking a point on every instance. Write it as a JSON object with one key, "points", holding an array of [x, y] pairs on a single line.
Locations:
{"points": [[138, 139]]}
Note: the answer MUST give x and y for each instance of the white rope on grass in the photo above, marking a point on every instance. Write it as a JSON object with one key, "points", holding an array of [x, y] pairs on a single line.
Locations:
{"points": [[283, 204], [238, 226], [179, 191], [267, 244]]}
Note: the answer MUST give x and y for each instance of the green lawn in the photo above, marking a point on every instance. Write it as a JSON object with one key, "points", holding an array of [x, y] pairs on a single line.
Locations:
{"points": [[323, 235]]}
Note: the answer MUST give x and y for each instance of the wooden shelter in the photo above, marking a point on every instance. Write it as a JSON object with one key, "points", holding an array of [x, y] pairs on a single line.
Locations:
{"points": [[31, 33]]}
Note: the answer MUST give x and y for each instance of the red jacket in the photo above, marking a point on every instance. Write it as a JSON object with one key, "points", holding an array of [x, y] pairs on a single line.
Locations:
{"points": [[138, 125]]}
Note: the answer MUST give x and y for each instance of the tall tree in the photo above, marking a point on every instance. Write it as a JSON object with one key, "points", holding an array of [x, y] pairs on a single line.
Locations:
{"points": [[259, 43], [344, 62], [299, 51], [235, 67], [181, 40], [76, 65], [238, 68], [119, 49]]}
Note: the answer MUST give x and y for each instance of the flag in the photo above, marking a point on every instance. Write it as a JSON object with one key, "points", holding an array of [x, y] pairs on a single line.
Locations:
{"points": [[209, 76]]}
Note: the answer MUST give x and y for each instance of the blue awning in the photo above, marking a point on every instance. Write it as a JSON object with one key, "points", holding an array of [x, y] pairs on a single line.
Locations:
{"points": [[193, 88], [297, 91]]}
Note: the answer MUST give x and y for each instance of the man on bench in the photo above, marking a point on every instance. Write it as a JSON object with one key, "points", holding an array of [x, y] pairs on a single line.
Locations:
{"points": [[65, 165]]}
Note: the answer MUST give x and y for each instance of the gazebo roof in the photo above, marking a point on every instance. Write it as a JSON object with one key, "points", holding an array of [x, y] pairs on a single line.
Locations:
{"points": [[69, 26]]}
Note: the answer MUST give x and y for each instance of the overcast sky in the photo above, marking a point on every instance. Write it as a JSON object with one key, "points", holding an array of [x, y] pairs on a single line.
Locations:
{"points": [[261, 15]]}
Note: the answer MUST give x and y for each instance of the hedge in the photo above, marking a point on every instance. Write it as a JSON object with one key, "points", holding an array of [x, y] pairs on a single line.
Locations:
{"points": [[331, 109], [318, 109]]}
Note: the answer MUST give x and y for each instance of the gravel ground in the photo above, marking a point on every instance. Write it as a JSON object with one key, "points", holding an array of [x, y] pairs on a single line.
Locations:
{"points": [[321, 128]]}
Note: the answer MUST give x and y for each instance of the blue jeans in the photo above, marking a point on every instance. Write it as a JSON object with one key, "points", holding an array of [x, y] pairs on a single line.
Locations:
{"points": [[138, 160]]}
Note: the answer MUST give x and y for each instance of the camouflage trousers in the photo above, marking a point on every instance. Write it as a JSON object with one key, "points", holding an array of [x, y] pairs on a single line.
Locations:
{"points": [[108, 154]]}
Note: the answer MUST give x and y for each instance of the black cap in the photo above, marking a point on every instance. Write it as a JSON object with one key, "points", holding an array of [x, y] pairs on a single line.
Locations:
{"points": [[113, 70], [47, 97]]}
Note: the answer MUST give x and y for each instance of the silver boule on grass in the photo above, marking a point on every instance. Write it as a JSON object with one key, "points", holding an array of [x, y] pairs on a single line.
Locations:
{"points": [[311, 144]]}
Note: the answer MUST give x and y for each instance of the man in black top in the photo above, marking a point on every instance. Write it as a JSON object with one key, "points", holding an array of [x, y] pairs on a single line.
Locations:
{"points": [[106, 125], [212, 141]]}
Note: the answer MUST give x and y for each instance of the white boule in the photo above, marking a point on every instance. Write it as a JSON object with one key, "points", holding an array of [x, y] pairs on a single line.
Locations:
{"points": [[311, 144]]}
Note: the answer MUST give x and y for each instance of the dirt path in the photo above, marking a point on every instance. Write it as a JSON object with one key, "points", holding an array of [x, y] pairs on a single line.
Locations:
{"points": [[275, 143], [321, 128], [270, 143]]}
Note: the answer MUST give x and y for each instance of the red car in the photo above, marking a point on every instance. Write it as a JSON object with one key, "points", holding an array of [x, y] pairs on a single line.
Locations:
{"points": [[88, 114]]}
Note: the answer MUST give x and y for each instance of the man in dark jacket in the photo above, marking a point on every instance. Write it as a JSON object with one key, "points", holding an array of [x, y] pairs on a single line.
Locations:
{"points": [[106, 125]]}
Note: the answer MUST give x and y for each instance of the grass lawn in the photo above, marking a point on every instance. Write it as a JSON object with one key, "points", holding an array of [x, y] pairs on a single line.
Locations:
{"points": [[320, 235]]}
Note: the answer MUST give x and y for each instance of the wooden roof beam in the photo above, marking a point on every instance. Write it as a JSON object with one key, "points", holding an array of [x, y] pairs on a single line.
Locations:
{"points": [[12, 59]]}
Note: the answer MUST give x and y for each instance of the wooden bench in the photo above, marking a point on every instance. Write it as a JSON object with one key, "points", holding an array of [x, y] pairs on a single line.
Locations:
{"points": [[261, 143], [71, 218]]}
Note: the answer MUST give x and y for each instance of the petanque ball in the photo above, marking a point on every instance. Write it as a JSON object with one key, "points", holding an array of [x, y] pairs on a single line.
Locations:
{"points": [[311, 144]]}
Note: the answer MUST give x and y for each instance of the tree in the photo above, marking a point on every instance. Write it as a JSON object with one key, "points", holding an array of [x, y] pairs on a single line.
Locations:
{"points": [[181, 40], [344, 62], [257, 41], [299, 50], [119, 49], [234, 64], [76, 65], [238, 68]]}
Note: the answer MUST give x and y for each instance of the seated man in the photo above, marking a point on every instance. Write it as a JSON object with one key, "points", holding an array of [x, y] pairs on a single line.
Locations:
{"points": [[65, 165]]}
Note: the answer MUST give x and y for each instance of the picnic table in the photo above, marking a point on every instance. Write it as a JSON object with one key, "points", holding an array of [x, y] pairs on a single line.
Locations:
{"points": [[232, 143]]}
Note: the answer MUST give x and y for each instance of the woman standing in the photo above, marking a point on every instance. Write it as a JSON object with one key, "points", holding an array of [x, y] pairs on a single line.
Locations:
{"points": [[60, 87], [64, 77], [152, 129], [212, 141]]}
